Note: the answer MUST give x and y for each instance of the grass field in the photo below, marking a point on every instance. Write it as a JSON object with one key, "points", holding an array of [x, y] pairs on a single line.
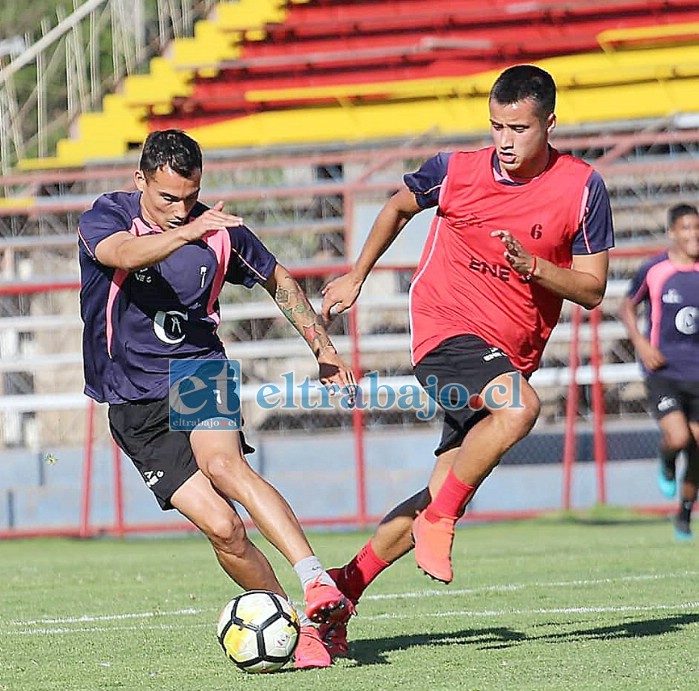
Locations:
{"points": [[546, 604]]}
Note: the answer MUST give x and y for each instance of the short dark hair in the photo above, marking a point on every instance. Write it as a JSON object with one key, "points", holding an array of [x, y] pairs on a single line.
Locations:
{"points": [[173, 149], [522, 82], [676, 212]]}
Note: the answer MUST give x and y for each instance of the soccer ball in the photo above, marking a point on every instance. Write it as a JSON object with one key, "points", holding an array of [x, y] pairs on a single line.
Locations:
{"points": [[258, 630]]}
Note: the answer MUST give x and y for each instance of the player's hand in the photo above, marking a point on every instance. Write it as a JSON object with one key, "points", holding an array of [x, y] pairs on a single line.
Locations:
{"points": [[339, 295], [651, 357], [333, 373], [515, 254], [211, 220]]}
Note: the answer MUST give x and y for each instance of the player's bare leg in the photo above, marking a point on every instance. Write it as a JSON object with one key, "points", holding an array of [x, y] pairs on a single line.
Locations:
{"points": [[394, 535], [480, 451], [198, 501], [392, 539], [219, 456]]}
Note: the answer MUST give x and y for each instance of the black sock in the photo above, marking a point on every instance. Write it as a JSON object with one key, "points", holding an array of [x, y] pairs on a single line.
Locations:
{"points": [[669, 457], [685, 510]]}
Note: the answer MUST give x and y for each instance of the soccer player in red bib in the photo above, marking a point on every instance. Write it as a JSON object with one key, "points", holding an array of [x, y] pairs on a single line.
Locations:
{"points": [[668, 286], [519, 227], [153, 264]]}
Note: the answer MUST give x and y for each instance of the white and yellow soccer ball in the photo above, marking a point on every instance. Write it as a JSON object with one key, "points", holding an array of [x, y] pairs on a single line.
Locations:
{"points": [[258, 631]]}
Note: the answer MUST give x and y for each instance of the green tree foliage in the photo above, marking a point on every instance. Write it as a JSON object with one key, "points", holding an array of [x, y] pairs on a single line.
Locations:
{"points": [[18, 18], [24, 20]]}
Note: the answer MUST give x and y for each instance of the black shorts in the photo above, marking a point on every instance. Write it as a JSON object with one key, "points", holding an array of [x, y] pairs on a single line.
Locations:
{"points": [[452, 373], [163, 456], [670, 395]]}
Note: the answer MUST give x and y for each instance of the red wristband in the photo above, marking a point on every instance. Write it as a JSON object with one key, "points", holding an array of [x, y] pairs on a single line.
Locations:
{"points": [[530, 275]]}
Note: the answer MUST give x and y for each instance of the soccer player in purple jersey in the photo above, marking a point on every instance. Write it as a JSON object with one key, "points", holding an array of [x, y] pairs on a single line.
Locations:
{"points": [[668, 285], [153, 264]]}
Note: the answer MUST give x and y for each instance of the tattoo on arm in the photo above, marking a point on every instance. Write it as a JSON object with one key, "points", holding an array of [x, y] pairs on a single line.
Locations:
{"points": [[298, 310]]}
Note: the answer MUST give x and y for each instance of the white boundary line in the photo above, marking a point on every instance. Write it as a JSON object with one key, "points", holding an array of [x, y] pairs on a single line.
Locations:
{"points": [[85, 618], [472, 614], [552, 610], [522, 586], [28, 626]]}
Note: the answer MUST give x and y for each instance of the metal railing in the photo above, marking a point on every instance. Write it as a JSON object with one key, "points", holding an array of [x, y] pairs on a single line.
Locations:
{"points": [[65, 67]]}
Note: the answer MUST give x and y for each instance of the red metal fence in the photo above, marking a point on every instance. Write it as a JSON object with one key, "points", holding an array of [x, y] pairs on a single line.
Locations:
{"points": [[361, 518]]}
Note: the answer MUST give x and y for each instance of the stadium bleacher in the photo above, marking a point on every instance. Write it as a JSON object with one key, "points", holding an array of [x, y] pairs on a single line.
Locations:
{"points": [[322, 53], [277, 73]]}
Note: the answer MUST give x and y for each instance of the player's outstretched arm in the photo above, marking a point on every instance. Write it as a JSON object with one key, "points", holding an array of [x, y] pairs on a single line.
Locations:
{"points": [[340, 294], [650, 356], [295, 306], [131, 253]]}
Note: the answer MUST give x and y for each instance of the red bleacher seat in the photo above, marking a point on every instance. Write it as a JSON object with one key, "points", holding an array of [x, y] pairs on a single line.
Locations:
{"points": [[328, 42], [309, 21]]}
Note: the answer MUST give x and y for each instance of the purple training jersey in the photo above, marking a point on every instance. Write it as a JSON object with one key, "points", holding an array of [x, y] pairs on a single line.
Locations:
{"points": [[135, 322], [671, 295]]}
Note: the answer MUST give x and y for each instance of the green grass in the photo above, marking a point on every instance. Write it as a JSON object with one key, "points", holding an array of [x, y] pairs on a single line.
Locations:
{"points": [[605, 601]]}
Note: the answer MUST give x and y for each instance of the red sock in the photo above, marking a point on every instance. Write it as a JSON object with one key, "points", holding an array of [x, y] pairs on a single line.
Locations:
{"points": [[450, 499], [360, 571]]}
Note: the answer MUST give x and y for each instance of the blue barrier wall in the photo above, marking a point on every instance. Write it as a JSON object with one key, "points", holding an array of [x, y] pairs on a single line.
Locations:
{"points": [[316, 474]]}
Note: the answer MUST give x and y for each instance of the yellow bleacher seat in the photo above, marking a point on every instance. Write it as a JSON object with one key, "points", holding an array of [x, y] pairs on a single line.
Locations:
{"points": [[161, 84], [248, 14], [649, 35], [187, 53]]}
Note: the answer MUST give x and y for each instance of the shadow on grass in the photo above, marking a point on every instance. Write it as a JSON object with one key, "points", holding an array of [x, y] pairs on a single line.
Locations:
{"points": [[628, 629], [374, 651]]}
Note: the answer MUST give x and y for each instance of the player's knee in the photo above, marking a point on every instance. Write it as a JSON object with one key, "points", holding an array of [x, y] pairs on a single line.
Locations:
{"points": [[520, 418], [676, 440], [227, 534]]}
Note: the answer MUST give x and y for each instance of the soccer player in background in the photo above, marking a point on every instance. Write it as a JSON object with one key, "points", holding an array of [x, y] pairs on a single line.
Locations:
{"points": [[668, 286], [153, 263], [519, 228]]}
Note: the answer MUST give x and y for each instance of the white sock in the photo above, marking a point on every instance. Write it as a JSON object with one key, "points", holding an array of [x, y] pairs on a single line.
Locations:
{"points": [[303, 619], [310, 569]]}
